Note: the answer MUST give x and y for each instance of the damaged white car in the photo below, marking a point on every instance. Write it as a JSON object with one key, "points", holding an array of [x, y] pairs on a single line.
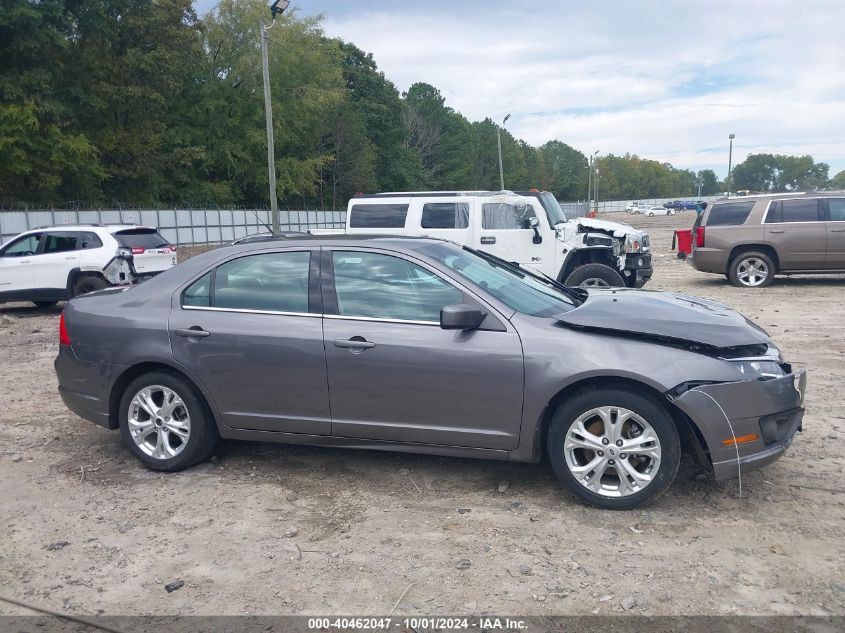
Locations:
{"points": [[51, 264], [527, 227]]}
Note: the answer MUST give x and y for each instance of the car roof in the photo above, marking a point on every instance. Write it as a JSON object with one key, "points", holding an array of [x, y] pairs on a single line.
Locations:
{"points": [[782, 194], [111, 228], [403, 242]]}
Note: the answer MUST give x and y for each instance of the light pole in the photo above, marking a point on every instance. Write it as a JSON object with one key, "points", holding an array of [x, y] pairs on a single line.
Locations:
{"points": [[590, 180], [499, 143], [277, 8], [731, 138]]}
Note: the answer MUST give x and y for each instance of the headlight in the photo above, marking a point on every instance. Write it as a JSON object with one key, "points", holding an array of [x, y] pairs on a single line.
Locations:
{"points": [[759, 369], [632, 245]]}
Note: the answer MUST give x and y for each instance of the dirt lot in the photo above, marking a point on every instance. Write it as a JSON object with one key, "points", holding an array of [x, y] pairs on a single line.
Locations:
{"points": [[271, 529]]}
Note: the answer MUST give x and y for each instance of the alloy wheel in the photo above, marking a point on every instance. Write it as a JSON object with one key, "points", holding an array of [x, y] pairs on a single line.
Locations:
{"points": [[594, 282], [752, 271], [159, 422], [612, 451]]}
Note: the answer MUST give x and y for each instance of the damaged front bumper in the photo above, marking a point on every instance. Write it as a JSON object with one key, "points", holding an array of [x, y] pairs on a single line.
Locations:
{"points": [[769, 410], [637, 269]]}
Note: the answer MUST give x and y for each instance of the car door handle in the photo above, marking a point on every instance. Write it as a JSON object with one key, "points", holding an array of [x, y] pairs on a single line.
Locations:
{"points": [[192, 332], [488, 239], [776, 231], [353, 343]]}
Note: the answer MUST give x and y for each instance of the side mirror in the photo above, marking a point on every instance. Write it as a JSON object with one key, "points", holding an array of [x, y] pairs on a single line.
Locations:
{"points": [[532, 223], [461, 317]]}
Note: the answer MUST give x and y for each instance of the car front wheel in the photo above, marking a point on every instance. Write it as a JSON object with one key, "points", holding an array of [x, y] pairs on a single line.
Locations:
{"points": [[613, 448], [165, 422]]}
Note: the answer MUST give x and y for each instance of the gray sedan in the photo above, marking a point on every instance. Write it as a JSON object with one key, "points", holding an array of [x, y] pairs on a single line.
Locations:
{"points": [[423, 346]]}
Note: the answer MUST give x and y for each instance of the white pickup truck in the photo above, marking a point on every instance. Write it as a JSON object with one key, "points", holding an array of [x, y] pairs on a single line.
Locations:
{"points": [[526, 227]]}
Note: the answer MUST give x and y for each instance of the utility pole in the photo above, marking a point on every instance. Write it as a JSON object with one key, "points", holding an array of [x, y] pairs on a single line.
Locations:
{"points": [[277, 8], [268, 115], [499, 143], [731, 138]]}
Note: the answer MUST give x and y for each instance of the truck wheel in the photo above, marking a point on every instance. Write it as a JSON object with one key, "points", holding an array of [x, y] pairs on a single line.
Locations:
{"points": [[594, 276], [88, 283]]}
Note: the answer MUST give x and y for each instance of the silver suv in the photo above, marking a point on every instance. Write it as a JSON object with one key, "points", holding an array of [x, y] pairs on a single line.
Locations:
{"points": [[751, 239]]}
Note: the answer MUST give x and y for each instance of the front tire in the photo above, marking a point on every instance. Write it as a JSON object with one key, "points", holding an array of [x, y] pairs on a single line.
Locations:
{"points": [[594, 276], [613, 448], [165, 422], [751, 269]]}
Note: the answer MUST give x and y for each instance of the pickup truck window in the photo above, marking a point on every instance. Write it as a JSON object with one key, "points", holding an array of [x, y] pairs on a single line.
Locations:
{"points": [[503, 215], [445, 215], [378, 216]]}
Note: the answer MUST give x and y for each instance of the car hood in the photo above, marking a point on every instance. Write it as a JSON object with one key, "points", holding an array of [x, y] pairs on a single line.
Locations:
{"points": [[618, 229], [664, 315]]}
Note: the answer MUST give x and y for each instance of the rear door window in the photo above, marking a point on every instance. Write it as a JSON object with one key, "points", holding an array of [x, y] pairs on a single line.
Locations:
{"points": [[269, 282], [445, 215], [60, 243], [141, 238], [800, 210], [378, 216], [729, 213]]}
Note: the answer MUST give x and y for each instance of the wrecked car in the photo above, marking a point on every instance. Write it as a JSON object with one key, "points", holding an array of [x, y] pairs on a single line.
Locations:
{"points": [[526, 227], [51, 264], [425, 346]]}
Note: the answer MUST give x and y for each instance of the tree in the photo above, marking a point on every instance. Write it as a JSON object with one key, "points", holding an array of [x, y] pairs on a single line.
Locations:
{"points": [[709, 182], [566, 170], [777, 172]]}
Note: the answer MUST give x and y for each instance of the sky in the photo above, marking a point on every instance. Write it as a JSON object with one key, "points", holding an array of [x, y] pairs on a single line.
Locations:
{"points": [[666, 80]]}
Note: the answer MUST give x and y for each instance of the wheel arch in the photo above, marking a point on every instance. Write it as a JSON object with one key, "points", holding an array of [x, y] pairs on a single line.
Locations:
{"points": [[590, 255], [692, 441], [144, 367], [737, 250]]}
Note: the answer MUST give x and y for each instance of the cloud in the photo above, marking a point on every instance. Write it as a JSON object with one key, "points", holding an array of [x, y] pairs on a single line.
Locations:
{"points": [[663, 80]]}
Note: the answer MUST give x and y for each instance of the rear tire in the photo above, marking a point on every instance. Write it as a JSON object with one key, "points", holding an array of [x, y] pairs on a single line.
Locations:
{"points": [[88, 283], [645, 429], [165, 422], [751, 269], [45, 304], [595, 276]]}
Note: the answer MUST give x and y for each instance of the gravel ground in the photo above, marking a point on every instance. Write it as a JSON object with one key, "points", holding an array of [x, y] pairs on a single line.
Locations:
{"points": [[273, 529]]}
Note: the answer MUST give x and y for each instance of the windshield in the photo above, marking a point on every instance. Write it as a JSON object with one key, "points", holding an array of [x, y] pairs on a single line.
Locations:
{"points": [[553, 210], [510, 284]]}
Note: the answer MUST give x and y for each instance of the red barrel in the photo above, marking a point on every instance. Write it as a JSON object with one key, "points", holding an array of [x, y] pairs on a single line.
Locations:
{"points": [[683, 240]]}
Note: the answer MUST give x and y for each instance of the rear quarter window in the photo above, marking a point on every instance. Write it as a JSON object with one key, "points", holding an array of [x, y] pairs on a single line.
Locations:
{"points": [[378, 216], [729, 213]]}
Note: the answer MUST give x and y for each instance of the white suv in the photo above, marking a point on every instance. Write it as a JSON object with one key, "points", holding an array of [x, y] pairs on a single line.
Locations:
{"points": [[51, 264]]}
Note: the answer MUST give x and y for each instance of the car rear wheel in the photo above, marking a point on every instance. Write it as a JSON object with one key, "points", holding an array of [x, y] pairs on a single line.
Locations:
{"points": [[165, 422], [594, 276], [613, 448], [751, 269], [88, 283]]}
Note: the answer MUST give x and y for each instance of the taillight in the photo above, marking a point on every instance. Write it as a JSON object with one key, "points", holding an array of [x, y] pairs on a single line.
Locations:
{"points": [[137, 250], [64, 337], [699, 236]]}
